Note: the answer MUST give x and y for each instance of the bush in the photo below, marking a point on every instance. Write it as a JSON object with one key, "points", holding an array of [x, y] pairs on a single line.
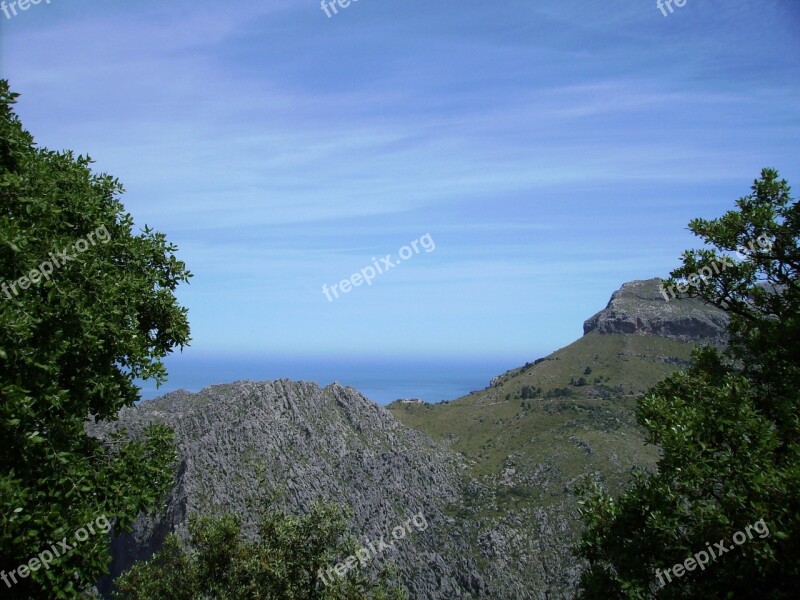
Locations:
{"points": [[284, 562]]}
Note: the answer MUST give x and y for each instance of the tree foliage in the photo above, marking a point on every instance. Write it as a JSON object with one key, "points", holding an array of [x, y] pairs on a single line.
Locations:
{"points": [[728, 428], [282, 563], [72, 345]]}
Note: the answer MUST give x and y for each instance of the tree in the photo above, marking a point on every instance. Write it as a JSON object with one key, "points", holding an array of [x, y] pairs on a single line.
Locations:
{"points": [[283, 563], [86, 308], [728, 430]]}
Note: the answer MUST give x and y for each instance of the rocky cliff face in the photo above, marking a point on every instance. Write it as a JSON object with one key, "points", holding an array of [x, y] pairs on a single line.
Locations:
{"points": [[639, 307], [294, 442]]}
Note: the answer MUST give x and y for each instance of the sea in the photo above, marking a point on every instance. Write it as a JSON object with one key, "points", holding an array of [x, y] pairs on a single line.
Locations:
{"points": [[382, 380]]}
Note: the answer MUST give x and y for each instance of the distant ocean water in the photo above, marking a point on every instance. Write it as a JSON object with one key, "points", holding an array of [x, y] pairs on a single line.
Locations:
{"points": [[380, 380]]}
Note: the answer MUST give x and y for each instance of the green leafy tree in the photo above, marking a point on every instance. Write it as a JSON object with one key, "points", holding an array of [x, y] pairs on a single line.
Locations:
{"points": [[728, 428], [86, 307], [282, 563]]}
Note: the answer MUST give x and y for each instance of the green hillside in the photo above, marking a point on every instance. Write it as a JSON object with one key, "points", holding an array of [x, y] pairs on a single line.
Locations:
{"points": [[540, 429], [586, 391]]}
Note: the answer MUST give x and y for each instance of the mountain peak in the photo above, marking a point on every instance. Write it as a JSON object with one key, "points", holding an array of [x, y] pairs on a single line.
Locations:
{"points": [[640, 308]]}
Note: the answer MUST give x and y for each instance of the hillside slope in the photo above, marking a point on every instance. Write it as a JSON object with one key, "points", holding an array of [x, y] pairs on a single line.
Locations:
{"points": [[590, 384], [539, 429]]}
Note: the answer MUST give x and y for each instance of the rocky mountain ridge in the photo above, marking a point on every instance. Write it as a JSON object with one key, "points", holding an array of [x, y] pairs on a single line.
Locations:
{"points": [[290, 443], [642, 308]]}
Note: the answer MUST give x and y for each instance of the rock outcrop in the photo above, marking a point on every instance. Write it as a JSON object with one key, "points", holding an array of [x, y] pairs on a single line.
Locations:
{"points": [[639, 307]]}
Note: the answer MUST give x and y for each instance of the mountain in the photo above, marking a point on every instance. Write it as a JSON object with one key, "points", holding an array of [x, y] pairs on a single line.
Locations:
{"points": [[284, 444], [493, 472], [539, 429]]}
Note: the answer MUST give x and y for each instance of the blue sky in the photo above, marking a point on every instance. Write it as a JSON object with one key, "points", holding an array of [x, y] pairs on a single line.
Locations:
{"points": [[552, 150]]}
